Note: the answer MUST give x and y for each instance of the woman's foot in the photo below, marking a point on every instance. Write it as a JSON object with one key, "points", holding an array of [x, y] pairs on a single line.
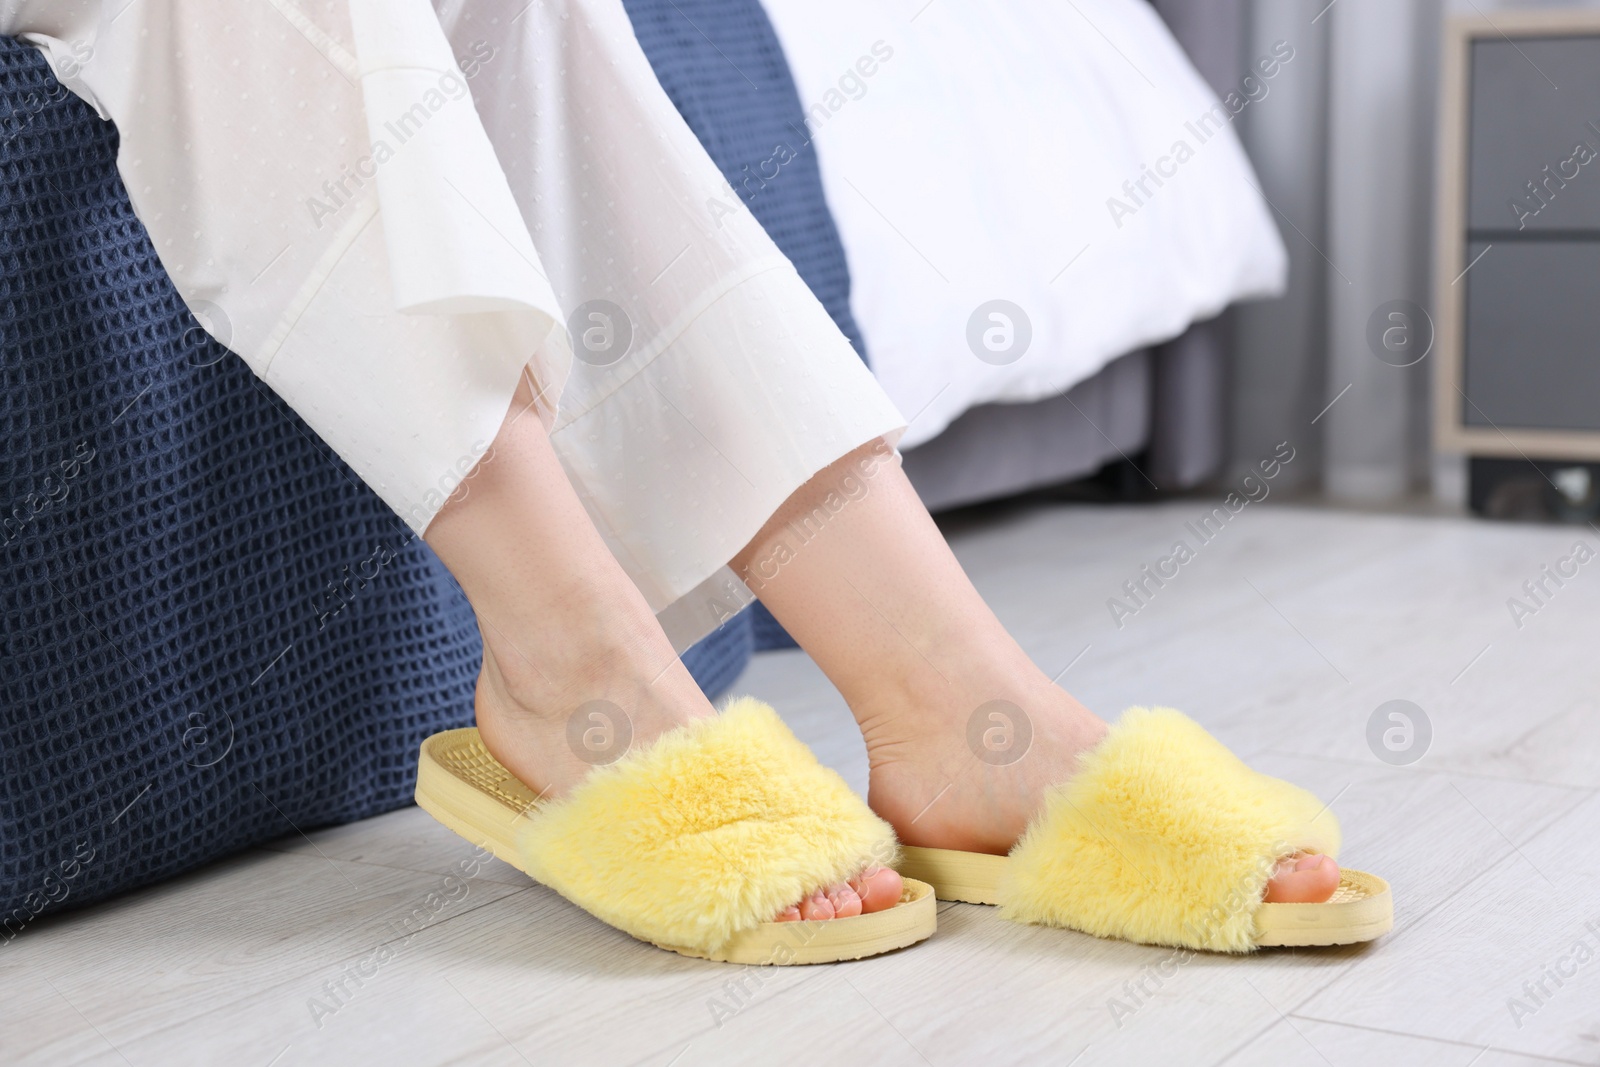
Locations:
{"points": [[966, 764], [576, 670], [521, 722], [856, 570]]}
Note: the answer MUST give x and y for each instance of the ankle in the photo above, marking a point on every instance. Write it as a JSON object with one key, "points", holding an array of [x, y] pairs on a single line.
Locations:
{"points": [[942, 691], [546, 682], [550, 727]]}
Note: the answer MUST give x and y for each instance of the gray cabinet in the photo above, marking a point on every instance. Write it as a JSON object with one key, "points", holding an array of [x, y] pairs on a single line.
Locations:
{"points": [[1517, 290], [1517, 295]]}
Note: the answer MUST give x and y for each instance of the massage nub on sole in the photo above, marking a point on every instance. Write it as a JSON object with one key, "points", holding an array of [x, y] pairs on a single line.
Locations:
{"points": [[1165, 837], [691, 844]]}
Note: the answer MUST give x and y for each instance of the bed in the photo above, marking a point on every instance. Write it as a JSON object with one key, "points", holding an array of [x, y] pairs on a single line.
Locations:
{"points": [[1053, 141]]}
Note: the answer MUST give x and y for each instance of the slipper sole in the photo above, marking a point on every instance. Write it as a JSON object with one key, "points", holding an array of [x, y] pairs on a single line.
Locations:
{"points": [[467, 790], [1361, 909]]}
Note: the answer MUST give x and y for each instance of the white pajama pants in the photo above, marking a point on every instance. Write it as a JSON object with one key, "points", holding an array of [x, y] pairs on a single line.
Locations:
{"points": [[392, 210]]}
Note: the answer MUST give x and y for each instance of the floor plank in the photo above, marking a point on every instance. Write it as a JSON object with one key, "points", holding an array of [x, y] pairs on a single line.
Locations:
{"points": [[1511, 962], [404, 839], [1283, 635], [1299, 1040], [158, 960]]}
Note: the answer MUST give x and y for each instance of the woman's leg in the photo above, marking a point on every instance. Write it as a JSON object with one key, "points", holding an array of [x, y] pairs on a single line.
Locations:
{"points": [[564, 627], [856, 570]]}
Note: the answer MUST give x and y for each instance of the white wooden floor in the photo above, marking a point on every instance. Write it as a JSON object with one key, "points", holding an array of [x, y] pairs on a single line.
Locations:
{"points": [[1282, 636]]}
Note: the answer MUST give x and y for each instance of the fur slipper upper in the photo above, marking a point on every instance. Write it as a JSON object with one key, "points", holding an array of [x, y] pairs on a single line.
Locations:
{"points": [[1162, 837], [713, 829]]}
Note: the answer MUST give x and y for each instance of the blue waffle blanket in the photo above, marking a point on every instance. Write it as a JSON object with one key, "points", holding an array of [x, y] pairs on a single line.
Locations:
{"points": [[211, 633]]}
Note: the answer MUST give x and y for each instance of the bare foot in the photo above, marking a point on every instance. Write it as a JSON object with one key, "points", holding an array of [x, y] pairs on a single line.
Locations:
{"points": [[576, 670], [930, 784], [519, 718]]}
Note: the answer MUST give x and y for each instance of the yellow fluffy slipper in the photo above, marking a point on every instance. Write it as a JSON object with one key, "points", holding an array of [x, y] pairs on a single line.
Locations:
{"points": [[692, 843], [1165, 837]]}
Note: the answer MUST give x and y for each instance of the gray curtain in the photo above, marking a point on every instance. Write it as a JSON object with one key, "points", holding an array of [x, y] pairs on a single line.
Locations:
{"points": [[1344, 147], [1191, 374]]}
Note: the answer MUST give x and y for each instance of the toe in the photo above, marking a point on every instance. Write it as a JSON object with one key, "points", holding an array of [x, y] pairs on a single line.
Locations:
{"points": [[874, 889], [878, 888], [1303, 879], [844, 899], [816, 906]]}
